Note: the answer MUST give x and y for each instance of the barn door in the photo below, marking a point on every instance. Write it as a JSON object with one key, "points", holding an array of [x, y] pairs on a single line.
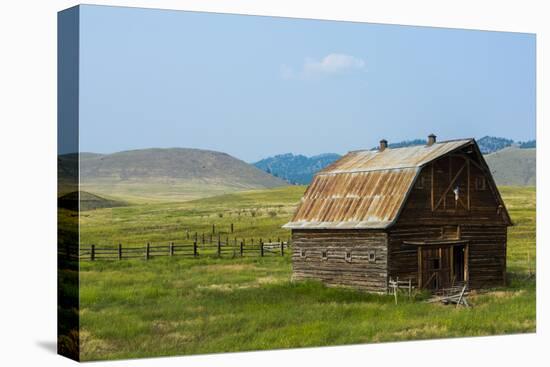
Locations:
{"points": [[435, 267]]}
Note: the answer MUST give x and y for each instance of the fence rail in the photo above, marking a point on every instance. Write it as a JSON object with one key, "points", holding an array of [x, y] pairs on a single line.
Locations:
{"points": [[233, 248]]}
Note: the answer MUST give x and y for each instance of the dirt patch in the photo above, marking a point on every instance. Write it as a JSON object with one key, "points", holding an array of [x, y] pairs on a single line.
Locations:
{"points": [[178, 337], [161, 327], [218, 287], [267, 280], [413, 333], [228, 267], [503, 294], [93, 346]]}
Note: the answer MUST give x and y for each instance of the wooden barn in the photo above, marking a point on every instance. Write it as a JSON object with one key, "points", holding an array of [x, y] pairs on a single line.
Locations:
{"points": [[430, 213]]}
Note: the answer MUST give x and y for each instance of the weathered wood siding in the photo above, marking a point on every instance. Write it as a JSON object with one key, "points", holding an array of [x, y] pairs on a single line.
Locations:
{"points": [[486, 252], [483, 202], [403, 259], [360, 272], [487, 255], [476, 219]]}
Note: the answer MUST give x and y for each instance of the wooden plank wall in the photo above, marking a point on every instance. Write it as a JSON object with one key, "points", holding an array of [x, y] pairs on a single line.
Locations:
{"points": [[335, 270], [403, 259], [487, 255], [482, 225], [483, 203], [486, 252]]}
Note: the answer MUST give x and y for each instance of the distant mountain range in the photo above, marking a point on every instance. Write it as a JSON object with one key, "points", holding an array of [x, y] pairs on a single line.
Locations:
{"points": [[515, 166], [491, 144], [296, 169]]}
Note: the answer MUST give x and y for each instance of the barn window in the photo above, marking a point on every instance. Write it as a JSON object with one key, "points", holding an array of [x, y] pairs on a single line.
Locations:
{"points": [[324, 255], [372, 256], [450, 232], [420, 183], [481, 183], [348, 256], [302, 253]]}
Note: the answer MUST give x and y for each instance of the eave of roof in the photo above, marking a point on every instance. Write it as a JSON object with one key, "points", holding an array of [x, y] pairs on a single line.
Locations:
{"points": [[337, 225]]}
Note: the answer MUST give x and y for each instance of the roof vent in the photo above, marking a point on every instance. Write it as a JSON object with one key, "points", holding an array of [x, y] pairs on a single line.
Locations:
{"points": [[431, 139], [383, 145]]}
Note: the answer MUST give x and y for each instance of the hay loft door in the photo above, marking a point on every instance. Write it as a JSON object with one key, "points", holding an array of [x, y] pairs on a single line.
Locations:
{"points": [[441, 266]]}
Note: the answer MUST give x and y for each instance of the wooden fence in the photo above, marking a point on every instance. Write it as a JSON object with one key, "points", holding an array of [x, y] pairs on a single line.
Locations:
{"points": [[228, 248]]}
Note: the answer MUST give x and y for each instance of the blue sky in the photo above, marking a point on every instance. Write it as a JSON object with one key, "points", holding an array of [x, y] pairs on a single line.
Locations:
{"points": [[259, 86]]}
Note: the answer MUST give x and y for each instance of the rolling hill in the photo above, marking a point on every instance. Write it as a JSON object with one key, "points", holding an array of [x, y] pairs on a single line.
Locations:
{"points": [[176, 174], [513, 166]]}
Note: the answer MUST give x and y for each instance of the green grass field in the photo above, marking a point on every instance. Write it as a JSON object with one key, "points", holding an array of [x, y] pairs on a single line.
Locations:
{"points": [[174, 306]]}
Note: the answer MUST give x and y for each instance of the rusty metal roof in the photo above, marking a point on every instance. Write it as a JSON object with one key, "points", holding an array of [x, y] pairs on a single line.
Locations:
{"points": [[366, 189]]}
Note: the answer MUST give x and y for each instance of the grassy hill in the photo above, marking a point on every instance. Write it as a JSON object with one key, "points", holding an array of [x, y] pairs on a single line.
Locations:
{"points": [[513, 166], [177, 174]]}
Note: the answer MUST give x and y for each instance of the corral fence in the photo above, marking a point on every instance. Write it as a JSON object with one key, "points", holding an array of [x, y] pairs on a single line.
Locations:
{"points": [[217, 248]]}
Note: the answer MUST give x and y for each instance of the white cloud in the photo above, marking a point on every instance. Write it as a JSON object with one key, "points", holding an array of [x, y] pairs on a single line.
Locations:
{"points": [[330, 64]]}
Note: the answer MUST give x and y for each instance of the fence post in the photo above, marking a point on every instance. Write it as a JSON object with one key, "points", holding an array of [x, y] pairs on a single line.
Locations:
{"points": [[231, 227], [172, 247], [396, 288], [242, 248], [282, 249], [410, 287], [92, 253], [195, 253], [187, 234], [219, 247], [213, 229], [203, 238], [120, 251], [261, 248], [147, 249]]}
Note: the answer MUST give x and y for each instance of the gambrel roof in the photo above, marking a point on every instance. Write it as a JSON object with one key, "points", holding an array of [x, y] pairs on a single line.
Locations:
{"points": [[368, 188]]}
